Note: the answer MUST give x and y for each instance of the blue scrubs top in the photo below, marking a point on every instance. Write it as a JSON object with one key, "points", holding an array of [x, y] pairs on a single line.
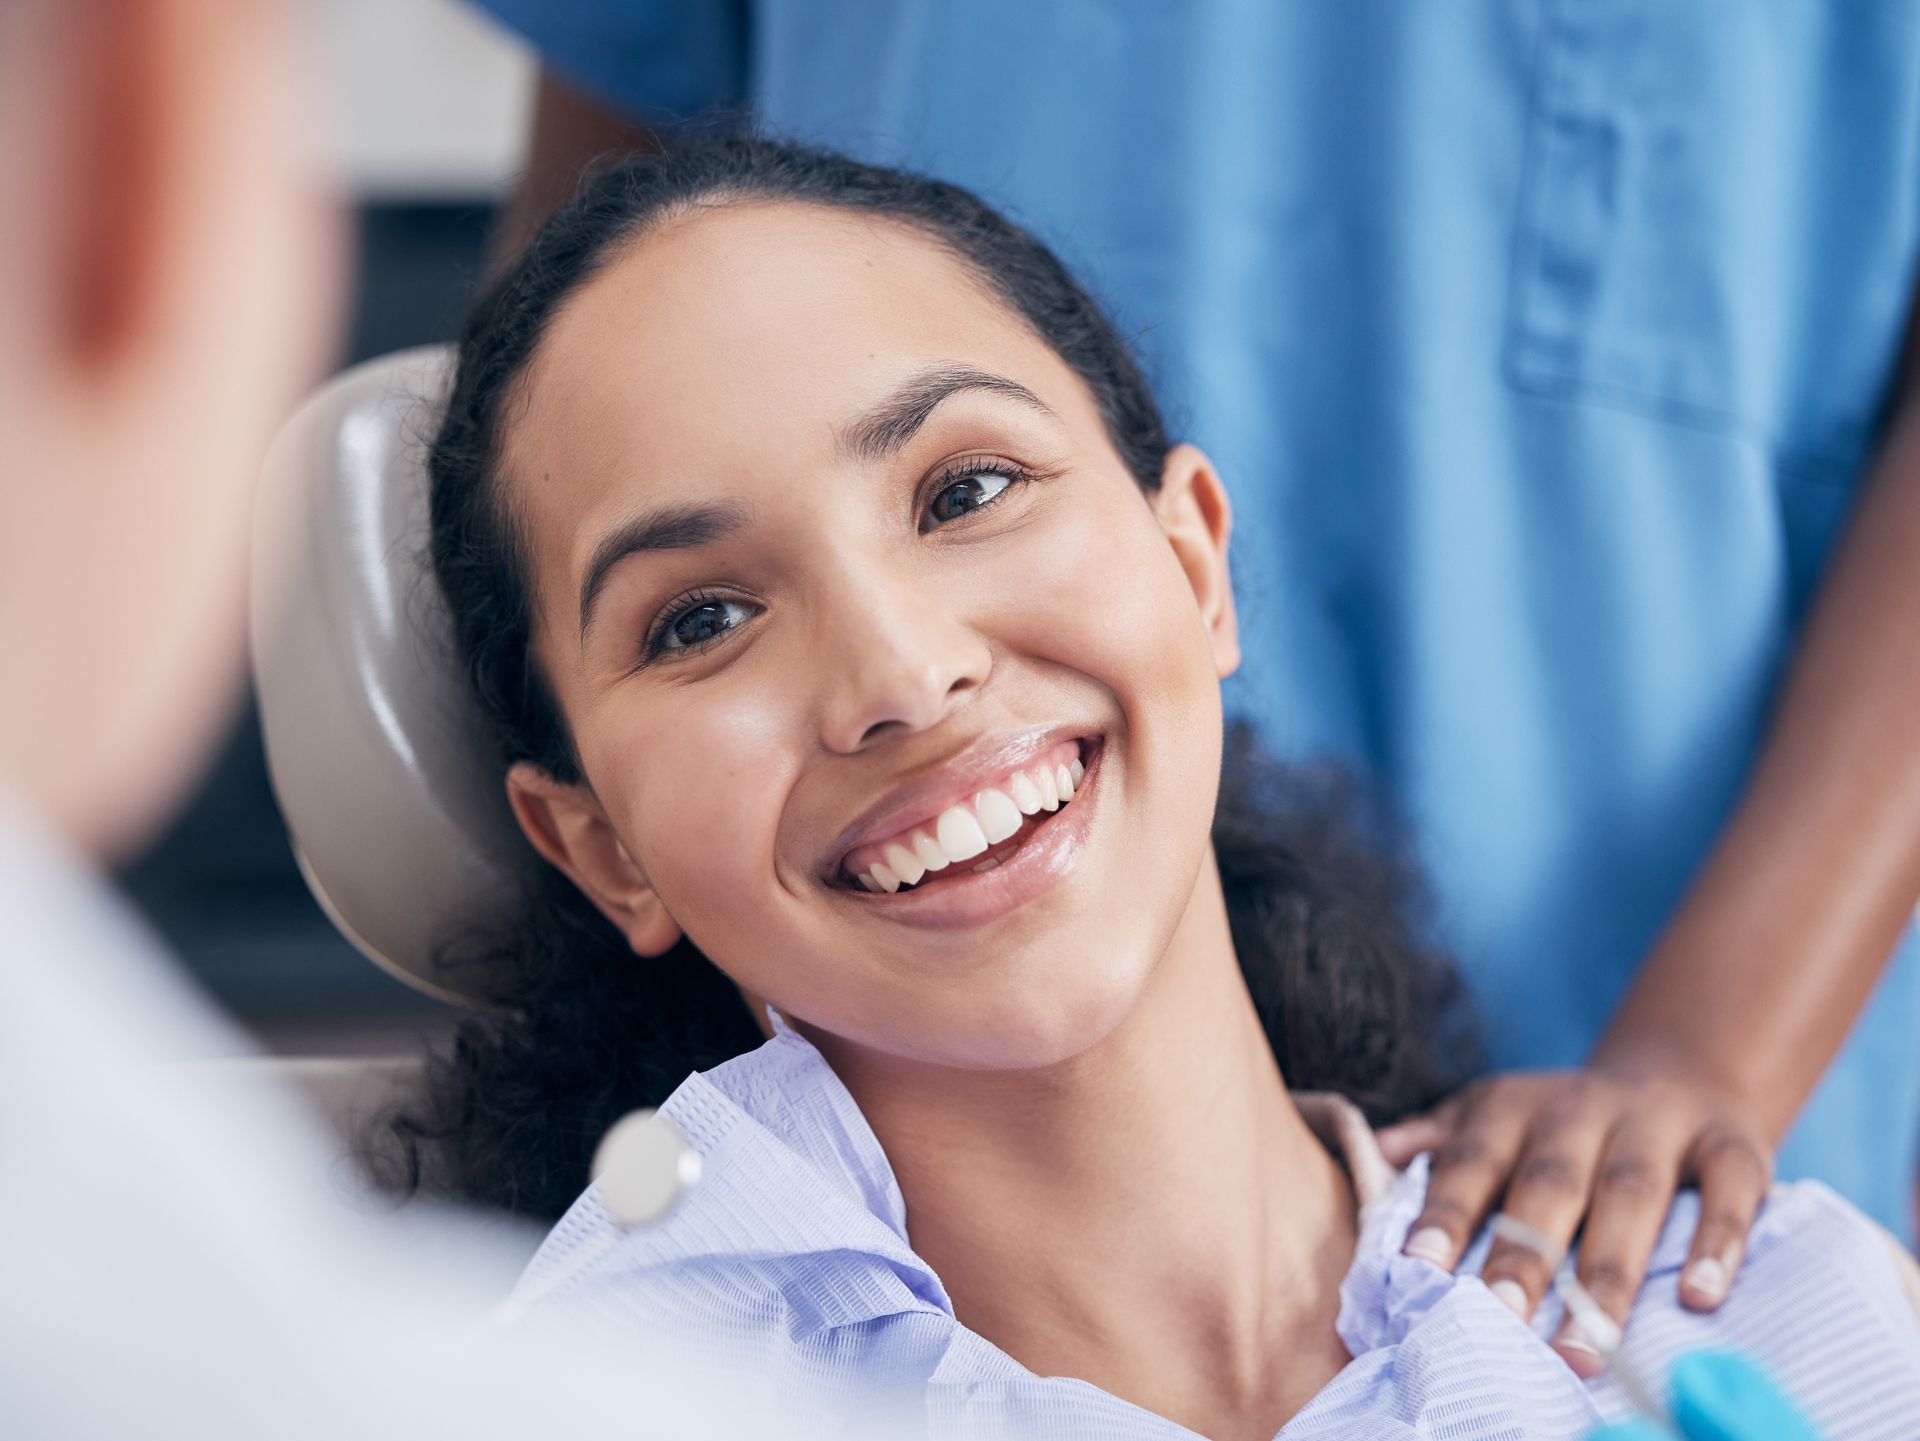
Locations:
{"points": [[1542, 345]]}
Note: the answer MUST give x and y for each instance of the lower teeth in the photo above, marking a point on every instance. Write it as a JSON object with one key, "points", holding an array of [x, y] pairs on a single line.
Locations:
{"points": [[984, 866]]}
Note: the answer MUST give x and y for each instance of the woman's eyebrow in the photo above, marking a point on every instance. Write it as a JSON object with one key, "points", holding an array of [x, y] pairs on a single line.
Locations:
{"points": [[676, 526], [888, 426]]}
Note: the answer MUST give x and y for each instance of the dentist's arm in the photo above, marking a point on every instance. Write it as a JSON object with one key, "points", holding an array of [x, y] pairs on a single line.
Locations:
{"points": [[1761, 971]]}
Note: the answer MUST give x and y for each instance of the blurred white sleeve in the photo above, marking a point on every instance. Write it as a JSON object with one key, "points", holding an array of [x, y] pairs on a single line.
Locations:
{"points": [[177, 1260]]}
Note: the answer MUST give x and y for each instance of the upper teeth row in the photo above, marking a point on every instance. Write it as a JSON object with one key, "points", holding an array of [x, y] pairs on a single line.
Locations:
{"points": [[959, 833]]}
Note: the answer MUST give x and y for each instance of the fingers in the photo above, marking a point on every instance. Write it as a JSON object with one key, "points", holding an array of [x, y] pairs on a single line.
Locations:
{"points": [[1577, 1153], [1733, 1172], [1638, 1172], [1404, 1140], [1548, 1195], [1469, 1171]]}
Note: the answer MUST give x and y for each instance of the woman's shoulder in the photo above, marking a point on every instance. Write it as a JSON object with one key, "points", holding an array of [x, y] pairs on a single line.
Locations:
{"points": [[779, 1272], [1822, 1302], [1808, 1245], [1819, 1303], [794, 1228]]}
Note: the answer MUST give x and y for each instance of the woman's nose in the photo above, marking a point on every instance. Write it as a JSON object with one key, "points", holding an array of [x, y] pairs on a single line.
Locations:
{"points": [[893, 656]]}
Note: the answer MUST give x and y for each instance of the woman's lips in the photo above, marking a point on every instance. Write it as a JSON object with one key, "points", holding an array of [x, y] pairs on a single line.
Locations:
{"points": [[987, 822], [1032, 862], [928, 790]]}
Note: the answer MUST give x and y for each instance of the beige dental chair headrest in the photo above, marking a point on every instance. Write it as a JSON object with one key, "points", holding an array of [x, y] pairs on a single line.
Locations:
{"points": [[379, 760]]}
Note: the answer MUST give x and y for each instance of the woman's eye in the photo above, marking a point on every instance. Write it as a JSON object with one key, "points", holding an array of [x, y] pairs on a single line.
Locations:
{"points": [[969, 490], [695, 625]]}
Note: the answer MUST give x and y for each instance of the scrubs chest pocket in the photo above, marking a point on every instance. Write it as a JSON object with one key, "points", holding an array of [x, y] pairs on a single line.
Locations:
{"points": [[1718, 215]]}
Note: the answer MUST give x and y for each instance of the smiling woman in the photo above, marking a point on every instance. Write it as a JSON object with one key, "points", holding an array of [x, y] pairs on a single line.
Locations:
{"points": [[853, 635], [755, 620]]}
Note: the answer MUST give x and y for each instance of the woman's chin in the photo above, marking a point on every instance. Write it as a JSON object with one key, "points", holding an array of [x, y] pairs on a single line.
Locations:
{"points": [[1035, 1030]]}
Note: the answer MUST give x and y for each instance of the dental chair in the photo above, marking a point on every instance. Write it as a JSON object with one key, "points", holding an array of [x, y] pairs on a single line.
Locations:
{"points": [[381, 769]]}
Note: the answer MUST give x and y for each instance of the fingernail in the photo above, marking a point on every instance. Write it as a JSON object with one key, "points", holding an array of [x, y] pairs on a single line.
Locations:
{"points": [[1585, 1361], [1512, 1295], [1706, 1278], [1430, 1243]]}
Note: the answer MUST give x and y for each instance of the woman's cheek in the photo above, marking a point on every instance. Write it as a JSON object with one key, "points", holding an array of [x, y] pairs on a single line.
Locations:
{"points": [[699, 787], [1108, 598], [1119, 608]]}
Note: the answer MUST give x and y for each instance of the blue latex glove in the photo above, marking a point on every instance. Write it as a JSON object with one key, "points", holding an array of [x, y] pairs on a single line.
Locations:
{"points": [[1720, 1396]]}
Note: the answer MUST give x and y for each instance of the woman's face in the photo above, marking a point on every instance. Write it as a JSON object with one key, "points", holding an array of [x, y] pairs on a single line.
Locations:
{"points": [[826, 545]]}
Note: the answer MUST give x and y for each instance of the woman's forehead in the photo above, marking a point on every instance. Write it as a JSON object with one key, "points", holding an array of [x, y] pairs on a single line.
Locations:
{"points": [[731, 311], [741, 339]]}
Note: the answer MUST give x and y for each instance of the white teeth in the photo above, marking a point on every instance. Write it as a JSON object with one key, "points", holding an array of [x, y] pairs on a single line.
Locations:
{"points": [[999, 817], [1026, 794], [927, 849], [1049, 790], [986, 865], [959, 834], [962, 832], [904, 864]]}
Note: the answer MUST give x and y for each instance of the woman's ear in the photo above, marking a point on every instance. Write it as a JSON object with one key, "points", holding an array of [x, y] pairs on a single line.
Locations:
{"points": [[1194, 511], [566, 825]]}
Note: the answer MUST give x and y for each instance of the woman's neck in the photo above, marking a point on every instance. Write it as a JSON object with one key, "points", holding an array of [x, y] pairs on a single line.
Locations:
{"points": [[1152, 1216]]}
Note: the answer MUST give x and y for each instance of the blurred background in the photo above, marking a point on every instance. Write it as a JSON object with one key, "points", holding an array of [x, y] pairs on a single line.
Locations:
{"points": [[425, 110]]}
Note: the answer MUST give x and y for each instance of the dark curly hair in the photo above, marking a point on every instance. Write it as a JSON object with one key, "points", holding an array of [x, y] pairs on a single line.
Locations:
{"points": [[1324, 912]]}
